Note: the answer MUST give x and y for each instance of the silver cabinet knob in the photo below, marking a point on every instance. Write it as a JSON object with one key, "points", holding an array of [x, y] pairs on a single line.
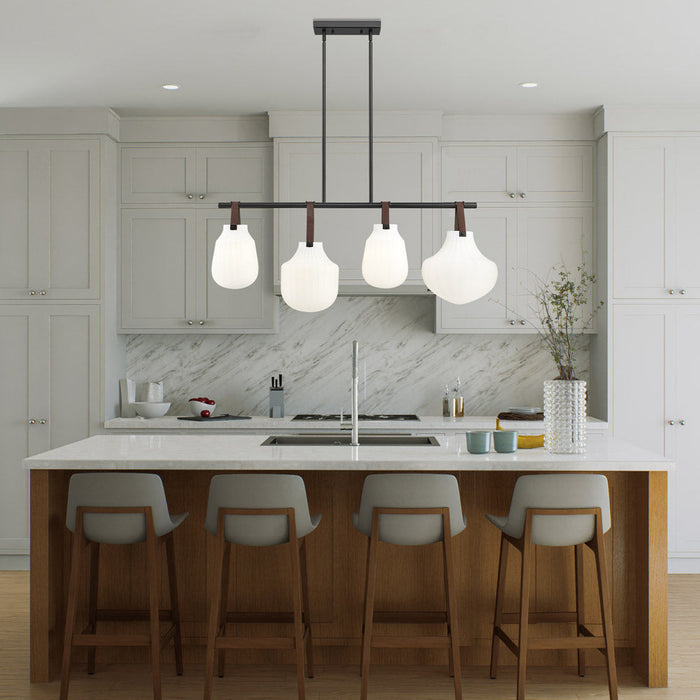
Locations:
{"points": [[672, 422], [511, 195], [522, 195], [671, 291], [202, 196], [32, 421], [511, 322], [189, 323], [201, 323], [522, 322], [43, 292], [682, 421], [32, 292], [42, 421], [681, 291], [189, 196]]}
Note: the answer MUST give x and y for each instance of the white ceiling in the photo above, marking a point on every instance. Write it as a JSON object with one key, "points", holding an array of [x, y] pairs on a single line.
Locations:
{"points": [[249, 56]]}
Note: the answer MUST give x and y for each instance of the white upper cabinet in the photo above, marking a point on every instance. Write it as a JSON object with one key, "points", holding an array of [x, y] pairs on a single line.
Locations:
{"points": [[403, 171], [49, 219], [654, 212], [190, 175], [518, 174]]}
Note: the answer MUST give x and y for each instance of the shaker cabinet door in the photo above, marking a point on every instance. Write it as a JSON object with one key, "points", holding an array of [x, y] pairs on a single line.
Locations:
{"points": [[555, 174], [158, 175], [158, 269], [482, 174], [240, 173]]}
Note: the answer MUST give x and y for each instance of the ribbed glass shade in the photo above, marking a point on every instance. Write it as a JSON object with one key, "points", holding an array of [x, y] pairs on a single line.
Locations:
{"points": [[385, 263], [459, 272], [309, 279], [234, 264]]}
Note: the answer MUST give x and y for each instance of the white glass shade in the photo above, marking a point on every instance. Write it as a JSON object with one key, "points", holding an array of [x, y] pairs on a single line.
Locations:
{"points": [[385, 263], [309, 279], [459, 272], [234, 264]]}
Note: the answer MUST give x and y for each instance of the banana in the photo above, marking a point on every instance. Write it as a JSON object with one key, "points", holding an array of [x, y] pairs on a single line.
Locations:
{"points": [[525, 442]]}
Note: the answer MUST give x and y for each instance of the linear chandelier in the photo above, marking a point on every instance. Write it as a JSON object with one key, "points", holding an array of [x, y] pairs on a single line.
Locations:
{"points": [[458, 272]]}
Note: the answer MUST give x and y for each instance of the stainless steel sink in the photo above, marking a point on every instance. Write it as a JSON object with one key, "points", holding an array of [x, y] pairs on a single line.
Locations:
{"points": [[376, 439]]}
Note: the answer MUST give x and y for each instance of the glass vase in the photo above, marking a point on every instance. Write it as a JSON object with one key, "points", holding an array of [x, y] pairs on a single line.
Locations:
{"points": [[565, 416]]}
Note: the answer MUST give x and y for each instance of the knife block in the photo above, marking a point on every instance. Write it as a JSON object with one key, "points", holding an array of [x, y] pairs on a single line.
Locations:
{"points": [[276, 403]]}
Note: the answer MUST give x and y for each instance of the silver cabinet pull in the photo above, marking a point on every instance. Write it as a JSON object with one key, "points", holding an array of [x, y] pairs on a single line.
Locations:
{"points": [[202, 196], [511, 322], [512, 195], [189, 196], [201, 323], [522, 322], [672, 422], [682, 421], [32, 421], [43, 292], [523, 195], [189, 323], [681, 291], [671, 291], [32, 292], [42, 421]]}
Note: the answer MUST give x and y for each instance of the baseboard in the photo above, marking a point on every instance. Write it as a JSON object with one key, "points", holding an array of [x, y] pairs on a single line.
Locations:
{"points": [[684, 565], [14, 562]]}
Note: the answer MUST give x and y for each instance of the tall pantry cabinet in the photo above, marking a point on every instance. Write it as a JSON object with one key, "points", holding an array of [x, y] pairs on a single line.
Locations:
{"points": [[57, 199], [654, 289]]}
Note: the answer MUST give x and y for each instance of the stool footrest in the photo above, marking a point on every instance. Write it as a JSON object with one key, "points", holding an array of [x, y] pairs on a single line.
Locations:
{"points": [[505, 638], [264, 617], [423, 642], [410, 617], [254, 643], [513, 618], [108, 615], [111, 640]]}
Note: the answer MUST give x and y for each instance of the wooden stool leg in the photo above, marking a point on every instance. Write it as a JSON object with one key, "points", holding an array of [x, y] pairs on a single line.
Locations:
{"points": [[606, 607], [214, 611], [452, 611], [498, 610], [369, 606], [294, 545], [153, 551], [364, 607], [92, 604], [524, 612], [174, 602], [450, 656], [223, 608], [71, 607], [307, 614], [580, 599]]}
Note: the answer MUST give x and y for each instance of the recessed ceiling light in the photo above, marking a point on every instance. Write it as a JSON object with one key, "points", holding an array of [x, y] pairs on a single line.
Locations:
{"points": [[525, 85], [170, 86]]}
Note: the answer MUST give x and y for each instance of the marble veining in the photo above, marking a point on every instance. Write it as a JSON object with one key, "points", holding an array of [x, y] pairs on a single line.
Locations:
{"points": [[403, 364]]}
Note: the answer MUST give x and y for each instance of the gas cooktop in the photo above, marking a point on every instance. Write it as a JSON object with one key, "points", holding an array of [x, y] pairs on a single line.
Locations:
{"points": [[362, 416]]}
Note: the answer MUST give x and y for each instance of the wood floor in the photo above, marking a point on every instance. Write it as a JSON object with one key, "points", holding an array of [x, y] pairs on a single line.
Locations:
{"points": [[133, 682]]}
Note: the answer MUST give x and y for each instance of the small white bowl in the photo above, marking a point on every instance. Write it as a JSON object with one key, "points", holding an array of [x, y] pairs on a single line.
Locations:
{"points": [[198, 406], [151, 409]]}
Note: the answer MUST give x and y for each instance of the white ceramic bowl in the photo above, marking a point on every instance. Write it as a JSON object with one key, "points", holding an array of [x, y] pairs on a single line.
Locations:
{"points": [[151, 409], [198, 406]]}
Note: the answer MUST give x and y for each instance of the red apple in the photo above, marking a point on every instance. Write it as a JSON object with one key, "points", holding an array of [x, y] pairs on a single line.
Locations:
{"points": [[205, 413]]}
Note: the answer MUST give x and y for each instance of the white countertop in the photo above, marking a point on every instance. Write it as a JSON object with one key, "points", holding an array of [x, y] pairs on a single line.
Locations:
{"points": [[231, 452], [265, 425]]}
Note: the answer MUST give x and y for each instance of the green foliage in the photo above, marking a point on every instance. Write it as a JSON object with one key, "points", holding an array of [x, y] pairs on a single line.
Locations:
{"points": [[561, 303]]}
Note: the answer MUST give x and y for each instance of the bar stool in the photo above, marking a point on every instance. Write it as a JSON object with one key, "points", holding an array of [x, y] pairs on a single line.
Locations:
{"points": [[109, 508], [555, 510], [411, 509], [259, 510]]}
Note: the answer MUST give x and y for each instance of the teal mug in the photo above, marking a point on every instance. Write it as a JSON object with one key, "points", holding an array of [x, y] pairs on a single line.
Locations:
{"points": [[505, 440], [478, 441]]}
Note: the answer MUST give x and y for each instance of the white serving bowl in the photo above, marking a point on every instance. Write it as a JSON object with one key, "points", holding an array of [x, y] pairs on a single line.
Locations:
{"points": [[151, 409], [198, 406]]}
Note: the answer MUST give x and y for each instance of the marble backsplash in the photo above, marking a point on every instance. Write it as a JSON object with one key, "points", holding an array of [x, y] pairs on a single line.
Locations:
{"points": [[403, 364]]}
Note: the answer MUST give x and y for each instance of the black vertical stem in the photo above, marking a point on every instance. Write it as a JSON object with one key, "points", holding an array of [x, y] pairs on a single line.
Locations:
{"points": [[371, 124], [323, 119]]}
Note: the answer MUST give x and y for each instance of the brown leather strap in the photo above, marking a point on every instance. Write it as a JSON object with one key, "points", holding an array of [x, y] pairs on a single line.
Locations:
{"points": [[385, 214], [235, 215], [309, 224], [460, 224]]}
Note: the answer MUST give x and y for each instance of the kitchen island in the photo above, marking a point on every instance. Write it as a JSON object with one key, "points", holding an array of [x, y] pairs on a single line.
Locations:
{"points": [[410, 576]]}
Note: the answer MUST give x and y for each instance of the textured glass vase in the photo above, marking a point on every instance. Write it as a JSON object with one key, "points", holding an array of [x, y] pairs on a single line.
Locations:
{"points": [[565, 416]]}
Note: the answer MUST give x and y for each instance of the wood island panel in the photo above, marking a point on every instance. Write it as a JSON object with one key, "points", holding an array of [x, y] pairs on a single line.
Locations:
{"points": [[408, 577]]}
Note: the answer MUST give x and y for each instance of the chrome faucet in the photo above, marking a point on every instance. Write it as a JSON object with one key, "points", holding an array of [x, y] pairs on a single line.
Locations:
{"points": [[355, 393]]}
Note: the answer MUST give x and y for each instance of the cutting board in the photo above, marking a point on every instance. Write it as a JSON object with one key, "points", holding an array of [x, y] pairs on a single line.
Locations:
{"points": [[225, 416]]}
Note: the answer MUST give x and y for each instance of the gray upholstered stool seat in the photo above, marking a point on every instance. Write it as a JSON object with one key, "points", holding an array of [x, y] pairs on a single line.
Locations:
{"points": [[259, 510], [410, 509], [555, 510], [121, 509]]}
